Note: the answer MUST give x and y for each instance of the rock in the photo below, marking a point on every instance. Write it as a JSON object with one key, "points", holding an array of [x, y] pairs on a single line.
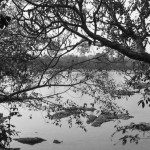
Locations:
{"points": [[57, 142], [19, 115], [143, 126], [113, 115], [2, 119], [105, 117], [89, 109], [12, 148], [99, 120], [30, 140], [1, 115], [109, 115], [91, 118], [70, 111], [9, 148], [123, 92], [61, 114], [124, 116]]}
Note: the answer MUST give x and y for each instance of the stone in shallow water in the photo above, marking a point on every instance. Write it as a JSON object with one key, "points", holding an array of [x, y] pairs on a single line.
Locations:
{"points": [[1, 115], [124, 116], [99, 120], [143, 126], [11, 149], [105, 117], [57, 141], [30, 140], [90, 119], [61, 114]]}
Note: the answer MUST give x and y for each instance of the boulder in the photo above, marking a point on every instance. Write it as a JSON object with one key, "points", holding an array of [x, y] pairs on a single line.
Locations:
{"points": [[70, 111], [57, 141], [61, 114], [105, 117], [90, 118], [10, 148], [99, 120], [109, 115], [143, 126], [30, 140], [1, 115], [124, 116], [89, 109]]}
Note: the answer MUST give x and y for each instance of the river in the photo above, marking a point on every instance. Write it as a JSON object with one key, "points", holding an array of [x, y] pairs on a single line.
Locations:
{"points": [[75, 138]]}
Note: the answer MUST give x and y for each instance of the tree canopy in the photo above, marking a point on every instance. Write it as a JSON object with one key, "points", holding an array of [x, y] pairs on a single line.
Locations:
{"points": [[122, 25], [37, 35]]}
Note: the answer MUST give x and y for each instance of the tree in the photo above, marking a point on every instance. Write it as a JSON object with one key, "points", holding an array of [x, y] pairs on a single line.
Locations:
{"points": [[119, 24], [35, 31], [56, 28], [30, 54]]}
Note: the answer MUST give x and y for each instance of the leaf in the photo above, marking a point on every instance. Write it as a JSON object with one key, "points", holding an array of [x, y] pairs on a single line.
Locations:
{"points": [[85, 130], [124, 141], [123, 131], [12, 125], [140, 102], [143, 104]]}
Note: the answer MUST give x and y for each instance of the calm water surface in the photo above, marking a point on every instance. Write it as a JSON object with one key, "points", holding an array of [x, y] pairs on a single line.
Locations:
{"points": [[96, 138]]}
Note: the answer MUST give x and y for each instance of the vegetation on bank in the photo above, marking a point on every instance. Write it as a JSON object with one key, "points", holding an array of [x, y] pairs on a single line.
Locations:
{"points": [[99, 61]]}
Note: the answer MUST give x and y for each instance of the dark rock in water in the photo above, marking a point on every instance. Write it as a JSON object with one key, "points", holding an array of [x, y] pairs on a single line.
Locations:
{"points": [[70, 111], [123, 93], [89, 109], [61, 114], [105, 117], [91, 118], [1, 115], [124, 116], [109, 115], [19, 115], [10, 149], [30, 140], [99, 120], [143, 126], [57, 142]]}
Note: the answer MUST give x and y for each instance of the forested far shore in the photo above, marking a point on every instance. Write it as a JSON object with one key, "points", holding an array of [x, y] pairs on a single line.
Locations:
{"points": [[90, 62]]}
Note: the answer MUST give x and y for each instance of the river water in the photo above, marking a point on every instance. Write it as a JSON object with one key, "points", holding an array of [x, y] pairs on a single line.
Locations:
{"points": [[75, 138]]}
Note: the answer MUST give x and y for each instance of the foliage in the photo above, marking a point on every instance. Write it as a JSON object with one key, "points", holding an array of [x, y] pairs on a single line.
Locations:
{"points": [[120, 25], [7, 130], [140, 81], [36, 40], [39, 41], [133, 132]]}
